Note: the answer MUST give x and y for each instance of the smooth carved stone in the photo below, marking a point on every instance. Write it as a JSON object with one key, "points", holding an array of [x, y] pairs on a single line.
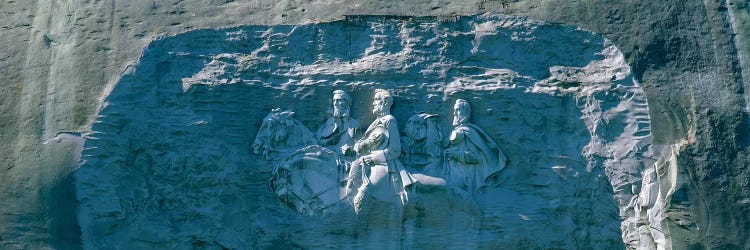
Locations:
{"points": [[307, 181], [280, 130], [377, 170], [383, 176], [339, 130], [473, 156], [423, 144]]}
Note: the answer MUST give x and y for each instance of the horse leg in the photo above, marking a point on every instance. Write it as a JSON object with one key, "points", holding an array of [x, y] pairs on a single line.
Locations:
{"points": [[354, 169], [429, 183]]}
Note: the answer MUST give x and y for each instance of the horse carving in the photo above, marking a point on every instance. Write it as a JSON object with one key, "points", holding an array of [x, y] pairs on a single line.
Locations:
{"points": [[280, 131], [311, 178], [308, 181], [422, 146]]}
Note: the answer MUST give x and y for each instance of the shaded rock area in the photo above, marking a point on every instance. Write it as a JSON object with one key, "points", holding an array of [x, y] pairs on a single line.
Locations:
{"points": [[60, 59], [168, 163]]}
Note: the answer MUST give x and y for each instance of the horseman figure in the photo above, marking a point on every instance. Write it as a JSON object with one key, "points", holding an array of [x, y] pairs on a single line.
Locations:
{"points": [[330, 166], [382, 175], [339, 130]]}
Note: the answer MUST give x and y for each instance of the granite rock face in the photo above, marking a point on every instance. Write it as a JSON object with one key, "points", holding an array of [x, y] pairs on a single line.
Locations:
{"points": [[169, 164], [61, 59]]}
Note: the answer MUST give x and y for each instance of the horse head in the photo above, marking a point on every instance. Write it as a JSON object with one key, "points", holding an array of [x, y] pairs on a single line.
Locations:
{"points": [[272, 132], [280, 129], [420, 146]]}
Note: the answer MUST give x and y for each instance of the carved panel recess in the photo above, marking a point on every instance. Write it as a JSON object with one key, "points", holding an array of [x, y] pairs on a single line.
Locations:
{"points": [[478, 132]]}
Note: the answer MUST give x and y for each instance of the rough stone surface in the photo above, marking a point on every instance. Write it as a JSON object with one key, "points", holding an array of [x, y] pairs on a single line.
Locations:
{"points": [[168, 164], [60, 59]]}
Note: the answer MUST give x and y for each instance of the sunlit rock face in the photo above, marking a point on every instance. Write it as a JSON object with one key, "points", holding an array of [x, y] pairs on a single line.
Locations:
{"points": [[169, 162]]}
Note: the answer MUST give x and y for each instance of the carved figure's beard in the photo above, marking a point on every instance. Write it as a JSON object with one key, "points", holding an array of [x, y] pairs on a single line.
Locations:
{"points": [[340, 113], [379, 110], [458, 120]]}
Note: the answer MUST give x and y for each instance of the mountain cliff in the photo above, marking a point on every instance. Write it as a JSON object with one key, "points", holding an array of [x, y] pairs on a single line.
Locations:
{"points": [[61, 60]]}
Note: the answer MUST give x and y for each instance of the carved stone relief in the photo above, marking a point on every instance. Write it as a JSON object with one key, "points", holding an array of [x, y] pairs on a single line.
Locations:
{"points": [[423, 144], [487, 132], [474, 158], [280, 130], [469, 160], [339, 130]]}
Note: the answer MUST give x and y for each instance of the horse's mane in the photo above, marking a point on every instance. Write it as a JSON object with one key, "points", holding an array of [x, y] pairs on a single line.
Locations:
{"points": [[280, 130], [433, 134], [434, 129]]}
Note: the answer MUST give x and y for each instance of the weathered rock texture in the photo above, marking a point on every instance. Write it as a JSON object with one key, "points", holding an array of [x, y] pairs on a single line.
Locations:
{"points": [[167, 163], [60, 59]]}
